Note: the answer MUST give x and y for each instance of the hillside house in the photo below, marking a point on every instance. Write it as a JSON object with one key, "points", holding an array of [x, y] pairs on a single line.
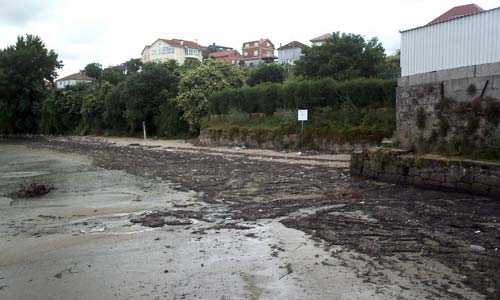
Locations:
{"points": [[231, 56], [256, 52], [320, 40], [179, 50], [73, 79], [289, 53]]}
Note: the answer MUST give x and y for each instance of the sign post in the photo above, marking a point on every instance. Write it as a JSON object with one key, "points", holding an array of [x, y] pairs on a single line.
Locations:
{"points": [[302, 116]]}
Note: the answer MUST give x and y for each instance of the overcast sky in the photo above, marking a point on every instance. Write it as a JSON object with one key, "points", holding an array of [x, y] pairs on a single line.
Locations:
{"points": [[113, 31]]}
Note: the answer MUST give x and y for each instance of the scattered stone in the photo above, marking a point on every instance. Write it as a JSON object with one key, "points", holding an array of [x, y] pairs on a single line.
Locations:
{"points": [[477, 248]]}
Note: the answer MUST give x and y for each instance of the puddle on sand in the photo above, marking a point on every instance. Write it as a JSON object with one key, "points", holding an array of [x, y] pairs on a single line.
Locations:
{"points": [[86, 199]]}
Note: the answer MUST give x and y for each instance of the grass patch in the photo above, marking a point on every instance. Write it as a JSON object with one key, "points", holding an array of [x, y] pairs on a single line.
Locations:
{"points": [[346, 121]]}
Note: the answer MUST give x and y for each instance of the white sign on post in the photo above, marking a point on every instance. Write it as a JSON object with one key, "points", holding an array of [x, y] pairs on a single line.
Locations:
{"points": [[302, 114]]}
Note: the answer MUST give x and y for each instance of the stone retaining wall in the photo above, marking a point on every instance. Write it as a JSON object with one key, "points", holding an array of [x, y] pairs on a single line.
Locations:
{"points": [[282, 140], [402, 167], [454, 106]]}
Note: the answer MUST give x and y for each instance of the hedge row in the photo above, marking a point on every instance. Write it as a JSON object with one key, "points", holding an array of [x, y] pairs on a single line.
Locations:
{"points": [[267, 98]]}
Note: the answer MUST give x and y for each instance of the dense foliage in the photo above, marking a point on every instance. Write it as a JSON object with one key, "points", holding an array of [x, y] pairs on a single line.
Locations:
{"points": [[326, 92], [26, 69], [93, 70], [107, 108], [266, 73], [344, 56], [198, 84]]}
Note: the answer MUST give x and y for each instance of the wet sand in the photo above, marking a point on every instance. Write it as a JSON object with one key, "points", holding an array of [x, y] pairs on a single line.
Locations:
{"points": [[78, 241]]}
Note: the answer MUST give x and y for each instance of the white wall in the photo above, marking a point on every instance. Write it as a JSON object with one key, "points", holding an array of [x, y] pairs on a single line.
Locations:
{"points": [[461, 42]]}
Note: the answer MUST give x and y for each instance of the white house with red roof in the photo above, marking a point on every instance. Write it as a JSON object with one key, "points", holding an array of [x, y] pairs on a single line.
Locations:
{"points": [[163, 50], [73, 79]]}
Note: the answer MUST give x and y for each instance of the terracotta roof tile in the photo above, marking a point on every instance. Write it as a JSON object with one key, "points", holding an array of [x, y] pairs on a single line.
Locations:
{"points": [[224, 53], [181, 43], [457, 11], [76, 76]]}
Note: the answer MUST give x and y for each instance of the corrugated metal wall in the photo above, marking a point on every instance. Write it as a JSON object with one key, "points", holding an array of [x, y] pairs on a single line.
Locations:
{"points": [[457, 43]]}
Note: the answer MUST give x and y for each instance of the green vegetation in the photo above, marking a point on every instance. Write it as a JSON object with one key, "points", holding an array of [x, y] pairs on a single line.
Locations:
{"points": [[93, 70], [266, 73], [345, 123], [325, 92], [198, 84], [25, 70], [175, 101], [345, 56]]}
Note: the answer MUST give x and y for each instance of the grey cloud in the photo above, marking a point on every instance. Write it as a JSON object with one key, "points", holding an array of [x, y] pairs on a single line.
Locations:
{"points": [[20, 12]]}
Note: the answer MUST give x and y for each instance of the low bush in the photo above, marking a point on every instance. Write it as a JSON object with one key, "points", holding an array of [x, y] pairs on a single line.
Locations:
{"points": [[293, 95]]}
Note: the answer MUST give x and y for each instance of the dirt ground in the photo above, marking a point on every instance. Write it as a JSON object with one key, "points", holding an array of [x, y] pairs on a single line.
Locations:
{"points": [[391, 242]]}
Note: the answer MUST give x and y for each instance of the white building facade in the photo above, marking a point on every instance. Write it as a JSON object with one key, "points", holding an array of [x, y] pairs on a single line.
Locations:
{"points": [[290, 53], [459, 42], [163, 50]]}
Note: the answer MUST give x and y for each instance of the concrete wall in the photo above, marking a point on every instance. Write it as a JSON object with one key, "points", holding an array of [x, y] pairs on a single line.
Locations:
{"points": [[397, 166], [461, 89]]}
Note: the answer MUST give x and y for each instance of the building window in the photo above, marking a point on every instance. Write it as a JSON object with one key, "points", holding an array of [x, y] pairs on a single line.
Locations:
{"points": [[167, 50], [191, 51], [153, 52], [256, 44], [269, 45], [256, 53], [245, 53]]}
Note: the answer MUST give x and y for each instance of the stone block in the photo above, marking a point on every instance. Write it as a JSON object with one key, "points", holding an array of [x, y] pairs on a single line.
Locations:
{"points": [[494, 192], [437, 176], [424, 78], [403, 81], [456, 73], [455, 173], [480, 189], [389, 178], [488, 69], [487, 180]]}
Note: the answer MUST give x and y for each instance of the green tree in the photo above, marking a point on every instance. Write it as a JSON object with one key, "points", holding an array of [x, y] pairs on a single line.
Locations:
{"points": [[169, 121], [133, 65], [198, 84], [26, 70], [391, 67], [266, 73], [143, 93], [93, 70], [61, 109], [345, 56], [93, 108], [112, 75]]}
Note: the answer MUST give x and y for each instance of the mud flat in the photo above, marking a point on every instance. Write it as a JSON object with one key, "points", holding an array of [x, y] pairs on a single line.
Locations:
{"points": [[228, 226]]}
